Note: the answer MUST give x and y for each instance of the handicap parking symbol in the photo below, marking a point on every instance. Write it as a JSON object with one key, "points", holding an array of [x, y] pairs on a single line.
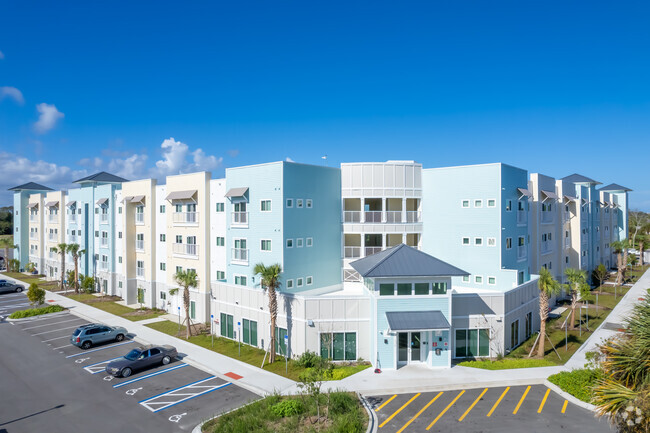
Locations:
{"points": [[108, 378], [80, 360], [133, 391], [176, 418]]}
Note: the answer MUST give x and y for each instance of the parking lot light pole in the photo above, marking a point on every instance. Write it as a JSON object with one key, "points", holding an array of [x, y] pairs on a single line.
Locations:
{"points": [[179, 319], [211, 332]]}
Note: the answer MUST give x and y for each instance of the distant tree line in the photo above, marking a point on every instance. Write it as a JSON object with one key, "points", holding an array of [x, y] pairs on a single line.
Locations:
{"points": [[6, 220]]}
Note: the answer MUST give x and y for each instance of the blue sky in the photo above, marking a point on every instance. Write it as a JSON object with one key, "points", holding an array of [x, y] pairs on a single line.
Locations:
{"points": [[147, 89]]}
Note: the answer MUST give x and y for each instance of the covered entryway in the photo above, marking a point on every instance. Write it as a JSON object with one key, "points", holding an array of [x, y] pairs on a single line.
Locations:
{"points": [[416, 332], [409, 348]]}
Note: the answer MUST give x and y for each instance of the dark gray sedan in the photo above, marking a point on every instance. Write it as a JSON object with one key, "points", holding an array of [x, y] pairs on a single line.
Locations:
{"points": [[141, 358], [6, 286]]}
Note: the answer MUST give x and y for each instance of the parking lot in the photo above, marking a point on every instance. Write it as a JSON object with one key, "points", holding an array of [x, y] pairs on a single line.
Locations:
{"points": [[509, 409], [172, 397]]}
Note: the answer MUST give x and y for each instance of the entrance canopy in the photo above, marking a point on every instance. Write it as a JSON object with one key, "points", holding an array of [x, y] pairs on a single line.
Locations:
{"points": [[402, 321]]}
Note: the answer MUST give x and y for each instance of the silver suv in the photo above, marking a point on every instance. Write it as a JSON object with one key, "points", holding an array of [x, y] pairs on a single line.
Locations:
{"points": [[88, 335]]}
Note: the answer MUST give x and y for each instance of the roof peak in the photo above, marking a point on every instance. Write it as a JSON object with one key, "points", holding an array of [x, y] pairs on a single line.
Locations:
{"points": [[102, 176], [30, 186], [614, 187], [578, 178]]}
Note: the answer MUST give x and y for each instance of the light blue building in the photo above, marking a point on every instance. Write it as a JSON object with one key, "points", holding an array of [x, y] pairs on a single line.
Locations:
{"points": [[21, 217]]}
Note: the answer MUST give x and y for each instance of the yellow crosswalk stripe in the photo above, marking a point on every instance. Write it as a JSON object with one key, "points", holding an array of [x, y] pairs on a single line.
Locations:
{"points": [[420, 413], [541, 406], [472, 405], [446, 409], [385, 403], [564, 405], [523, 397], [498, 401], [399, 410]]}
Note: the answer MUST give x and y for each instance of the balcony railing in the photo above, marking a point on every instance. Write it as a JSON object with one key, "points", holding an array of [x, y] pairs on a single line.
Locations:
{"points": [[104, 266], [33, 235], [139, 245], [52, 218], [546, 247], [103, 218], [103, 242], [52, 255], [73, 218], [351, 216], [185, 217], [73, 239], [372, 250], [566, 216], [521, 251], [352, 252], [373, 216], [240, 255], [413, 216], [584, 238], [52, 237], [139, 218], [33, 217], [139, 272], [547, 217], [393, 216], [240, 218], [567, 242], [185, 249], [521, 217]]}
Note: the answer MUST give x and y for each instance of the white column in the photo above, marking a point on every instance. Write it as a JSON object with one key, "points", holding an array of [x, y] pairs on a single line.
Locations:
{"points": [[404, 210]]}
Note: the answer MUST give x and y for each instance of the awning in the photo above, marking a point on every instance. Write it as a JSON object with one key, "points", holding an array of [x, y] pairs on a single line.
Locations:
{"points": [[524, 193], [608, 204], [32, 205], [102, 201], [401, 321], [71, 203], [584, 201], [550, 195], [570, 198], [137, 199], [181, 195], [127, 199], [236, 192], [51, 203], [601, 203]]}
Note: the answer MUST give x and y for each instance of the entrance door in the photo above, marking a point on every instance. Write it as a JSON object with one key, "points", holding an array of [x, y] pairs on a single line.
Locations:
{"points": [[415, 347], [409, 347]]}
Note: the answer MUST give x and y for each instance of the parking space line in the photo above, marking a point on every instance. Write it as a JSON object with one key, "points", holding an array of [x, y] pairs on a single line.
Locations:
{"points": [[521, 400], [564, 405], [57, 338], [94, 369], [541, 405], [399, 410], [50, 324], [57, 348], [462, 417], [420, 412], [498, 401], [445, 409], [15, 305], [13, 300], [204, 389], [149, 375], [385, 403], [101, 348], [54, 330]]}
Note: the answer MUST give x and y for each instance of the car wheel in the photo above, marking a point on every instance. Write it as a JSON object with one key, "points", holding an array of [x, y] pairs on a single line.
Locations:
{"points": [[86, 345], [119, 337], [126, 372], [19, 289], [166, 360]]}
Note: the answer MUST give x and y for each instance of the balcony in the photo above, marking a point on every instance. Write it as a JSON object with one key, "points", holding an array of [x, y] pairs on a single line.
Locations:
{"points": [[351, 216], [139, 245], [546, 247], [521, 252], [72, 218], [139, 272], [103, 218], [567, 242], [547, 217], [103, 266], [240, 255], [33, 235], [566, 216], [373, 216], [52, 255], [33, 217], [185, 249], [239, 219], [53, 237], [185, 218], [73, 239], [53, 218], [413, 216], [352, 252], [139, 218], [103, 242], [372, 250], [521, 217], [393, 216]]}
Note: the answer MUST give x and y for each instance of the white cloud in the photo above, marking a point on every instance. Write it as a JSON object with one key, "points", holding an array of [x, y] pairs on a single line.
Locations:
{"points": [[289, 159], [131, 168], [13, 93], [233, 153], [48, 116], [175, 154], [95, 162]]}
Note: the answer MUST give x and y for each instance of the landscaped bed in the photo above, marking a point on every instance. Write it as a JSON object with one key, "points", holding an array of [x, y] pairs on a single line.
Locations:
{"points": [[21, 314], [339, 412], [110, 305], [579, 383], [249, 354]]}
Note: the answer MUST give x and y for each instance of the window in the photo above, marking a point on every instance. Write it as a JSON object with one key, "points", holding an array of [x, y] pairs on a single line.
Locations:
{"points": [[386, 289], [338, 346], [162, 208], [289, 284], [96, 211], [119, 235], [221, 275], [119, 210], [249, 332], [508, 205], [280, 342], [465, 241], [163, 266], [310, 280], [96, 233], [478, 279], [265, 205], [465, 278], [265, 245], [119, 259], [299, 282], [220, 207], [478, 241], [492, 203], [491, 242], [163, 238], [289, 202], [308, 203], [179, 269], [309, 242], [227, 326], [299, 243], [492, 281], [192, 310], [179, 208], [289, 243], [566, 259], [179, 239], [478, 203], [514, 334], [404, 289], [465, 203], [472, 343], [299, 202], [221, 241], [521, 241], [240, 280], [421, 288], [528, 325]]}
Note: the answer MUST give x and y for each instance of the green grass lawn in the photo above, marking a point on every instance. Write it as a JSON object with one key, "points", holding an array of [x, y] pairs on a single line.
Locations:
{"points": [[579, 383], [507, 363], [339, 412], [109, 305], [249, 354], [36, 311], [26, 278]]}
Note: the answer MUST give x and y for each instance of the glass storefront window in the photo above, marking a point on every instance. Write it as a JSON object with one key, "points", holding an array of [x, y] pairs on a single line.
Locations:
{"points": [[421, 288], [404, 289], [386, 289]]}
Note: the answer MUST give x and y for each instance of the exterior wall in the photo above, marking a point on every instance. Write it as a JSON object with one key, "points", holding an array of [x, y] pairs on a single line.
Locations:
{"points": [[218, 253], [54, 233], [36, 231], [162, 299], [21, 226], [119, 286], [545, 227]]}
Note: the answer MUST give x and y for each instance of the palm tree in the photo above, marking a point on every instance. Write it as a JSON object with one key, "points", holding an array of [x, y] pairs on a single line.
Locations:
{"points": [[6, 244], [620, 248], [76, 252], [62, 249], [547, 288], [186, 279], [70, 276], [578, 288], [270, 281], [642, 239]]}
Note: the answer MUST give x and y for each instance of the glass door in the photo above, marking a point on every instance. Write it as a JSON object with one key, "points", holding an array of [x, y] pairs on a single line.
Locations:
{"points": [[415, 347], [402, 347]]}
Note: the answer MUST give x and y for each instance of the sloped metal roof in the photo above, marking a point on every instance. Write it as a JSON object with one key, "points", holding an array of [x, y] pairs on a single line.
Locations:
{"points": [[181, 195], [52, 203], [236, 192], [416, 320], [30, 186], [404, 261], [102, 176], [614, 187], [578, 178]]}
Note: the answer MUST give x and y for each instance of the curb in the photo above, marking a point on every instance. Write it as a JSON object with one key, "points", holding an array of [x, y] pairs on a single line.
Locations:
{"points": [[569, 397], [455, 386], [199, 427], [372, 416], [27, 319]]}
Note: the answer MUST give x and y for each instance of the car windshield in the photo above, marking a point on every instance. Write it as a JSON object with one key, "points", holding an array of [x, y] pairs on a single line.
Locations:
{"points": [[132, 355], [76, 332]]}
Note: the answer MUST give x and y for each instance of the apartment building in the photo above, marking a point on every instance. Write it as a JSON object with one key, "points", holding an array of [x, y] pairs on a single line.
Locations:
{"points": [[384, 261]]}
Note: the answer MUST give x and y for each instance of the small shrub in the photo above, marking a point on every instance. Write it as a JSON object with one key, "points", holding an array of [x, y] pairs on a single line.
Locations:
{"points": [[35, 294], [88, 285], [309, 360], [579, 383], [341, 403], [288, 408], [350, 422], [36, 311]]}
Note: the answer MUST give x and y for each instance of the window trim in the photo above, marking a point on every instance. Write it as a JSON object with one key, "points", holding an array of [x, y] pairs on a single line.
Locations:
{"points": [[492, 199], [289, 243], [309, 203], [476, 278], [300, 242], [479, 243], [270, 205], [492, 284], [262, 245], [299, 203], [309, 242], [462, 203], [462, 241], [494, 242], [309, 280], [480, 203], [289, 202], [289, 284], [240, 276]]}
